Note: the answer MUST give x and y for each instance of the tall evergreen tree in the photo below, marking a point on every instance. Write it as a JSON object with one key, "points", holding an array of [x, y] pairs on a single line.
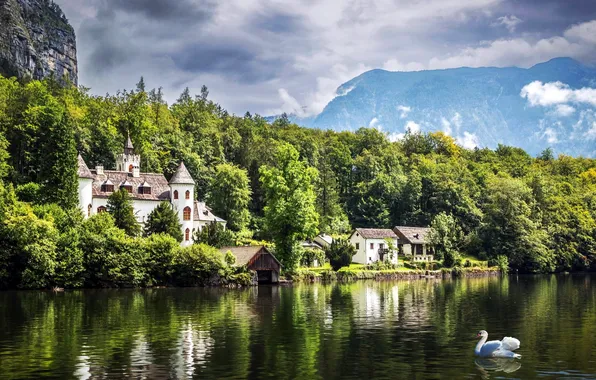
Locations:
{"points": [[121, 209], [163, 219], [58, 165]]}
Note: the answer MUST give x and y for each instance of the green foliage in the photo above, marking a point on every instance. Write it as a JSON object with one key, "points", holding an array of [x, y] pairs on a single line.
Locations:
{"points": [[310, 255], [215, 235], [290, 213], [199, 264], [121, 209], [447, 238], [500, 262], [160, 249], [163, 219], [29, 192], [229, 195], [340, 253]]}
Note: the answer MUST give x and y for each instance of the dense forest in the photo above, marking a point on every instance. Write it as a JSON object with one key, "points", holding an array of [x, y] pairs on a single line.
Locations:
{"points": [[274, 182]]}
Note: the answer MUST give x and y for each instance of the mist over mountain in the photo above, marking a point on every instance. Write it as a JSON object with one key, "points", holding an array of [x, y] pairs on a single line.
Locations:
{"points": [[552, 104]]}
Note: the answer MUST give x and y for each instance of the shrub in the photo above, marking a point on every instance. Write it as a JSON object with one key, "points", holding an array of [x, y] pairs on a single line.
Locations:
{"points": [[160, 250], [500, 262], [199, 265], [28, 192], [310, 255], [340, 253]]}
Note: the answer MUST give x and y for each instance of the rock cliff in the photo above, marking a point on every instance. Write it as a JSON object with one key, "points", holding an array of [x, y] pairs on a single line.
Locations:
{"points": [[36, 40]]}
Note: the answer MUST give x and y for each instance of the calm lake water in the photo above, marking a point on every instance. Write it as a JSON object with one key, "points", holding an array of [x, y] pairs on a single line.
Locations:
{"points": [[364, 330]]}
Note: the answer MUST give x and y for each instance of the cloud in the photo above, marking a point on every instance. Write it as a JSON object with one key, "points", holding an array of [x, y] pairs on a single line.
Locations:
{"points": [[510, 22], [591, 133], [290, 104], [404, 111], [557, 93], [550, 135], [585, 32], [446, 126], [564, 110], [412, 127], [374, 123], [468, 140]]}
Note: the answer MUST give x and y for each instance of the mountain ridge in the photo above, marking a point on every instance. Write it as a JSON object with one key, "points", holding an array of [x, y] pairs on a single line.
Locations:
{"points": [[478, 106]]}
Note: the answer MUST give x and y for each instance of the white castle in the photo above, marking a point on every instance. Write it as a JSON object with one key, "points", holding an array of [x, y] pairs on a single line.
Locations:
{"points": [[147, 190]]}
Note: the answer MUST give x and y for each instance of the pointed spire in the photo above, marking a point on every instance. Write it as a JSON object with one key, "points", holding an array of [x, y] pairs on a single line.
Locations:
{"points": [[83, 170], [128, 147], [182, 176]]}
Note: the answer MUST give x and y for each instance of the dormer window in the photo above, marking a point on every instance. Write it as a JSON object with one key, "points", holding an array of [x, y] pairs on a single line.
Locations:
{"points": [[126, 186], [145, 188], [107, 187]]}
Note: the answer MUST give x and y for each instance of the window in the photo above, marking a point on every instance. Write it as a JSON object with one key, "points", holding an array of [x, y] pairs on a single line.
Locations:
{"points": [[187, 195], [372, 245], [175, 194], [381, 246], [357, 245], [107, 188], [130, 167], [145, 189], [89, 208], [187, 234], [101, 209], [186, 213], [127, 188]]}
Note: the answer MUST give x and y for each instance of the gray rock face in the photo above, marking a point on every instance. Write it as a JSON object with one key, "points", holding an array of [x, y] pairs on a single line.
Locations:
{"points": [[36, 41]]}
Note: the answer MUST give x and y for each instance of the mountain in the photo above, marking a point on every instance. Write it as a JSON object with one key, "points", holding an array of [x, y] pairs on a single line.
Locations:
{"points": [[36, 40], [478, 106]]}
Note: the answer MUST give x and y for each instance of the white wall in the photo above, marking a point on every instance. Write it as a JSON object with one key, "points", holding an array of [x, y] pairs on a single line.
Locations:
{"points": [[360, 256], [85, 195], [179, 205]]}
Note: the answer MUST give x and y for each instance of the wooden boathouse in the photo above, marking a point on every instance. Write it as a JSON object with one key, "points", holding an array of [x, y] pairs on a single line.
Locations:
{"points": [[259, 259]]}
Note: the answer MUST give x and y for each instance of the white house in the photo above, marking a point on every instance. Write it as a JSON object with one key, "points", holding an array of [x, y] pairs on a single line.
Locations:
{"points": [[147, 190], [413, 241], [371, 245]]}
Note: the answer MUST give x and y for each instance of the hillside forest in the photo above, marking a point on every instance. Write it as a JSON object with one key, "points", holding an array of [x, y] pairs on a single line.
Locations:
{"points": [[274, 182]]}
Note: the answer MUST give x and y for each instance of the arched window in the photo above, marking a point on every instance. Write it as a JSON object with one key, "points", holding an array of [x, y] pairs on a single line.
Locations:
{"points": [[186, 213], [89, 208], [130, 167], [187, 234], [187, 196], [101, 209], [175, 194]]}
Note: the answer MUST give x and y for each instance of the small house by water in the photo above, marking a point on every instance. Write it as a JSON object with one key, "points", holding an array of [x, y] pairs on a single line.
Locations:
{"points": [[371, 245], [413, 241], [259, 259]]}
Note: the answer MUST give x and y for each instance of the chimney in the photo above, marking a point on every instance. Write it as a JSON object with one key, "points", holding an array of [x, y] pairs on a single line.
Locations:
{"points": [[136, 172], [99, 169]]}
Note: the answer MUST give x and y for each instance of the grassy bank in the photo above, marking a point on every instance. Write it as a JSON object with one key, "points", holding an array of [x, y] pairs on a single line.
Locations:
{"points": [[374, 272]]}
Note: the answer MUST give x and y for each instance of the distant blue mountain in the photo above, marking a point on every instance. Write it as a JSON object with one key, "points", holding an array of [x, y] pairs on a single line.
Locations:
{"points": [[481, 105]]}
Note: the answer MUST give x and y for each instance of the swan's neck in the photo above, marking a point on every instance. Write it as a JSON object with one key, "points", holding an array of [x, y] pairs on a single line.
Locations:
{"points": [[480, 344]]}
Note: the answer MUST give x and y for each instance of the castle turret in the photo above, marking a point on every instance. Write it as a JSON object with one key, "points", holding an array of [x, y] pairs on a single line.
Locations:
{"points": [[129, 161], [85, 188], [182, 195]]}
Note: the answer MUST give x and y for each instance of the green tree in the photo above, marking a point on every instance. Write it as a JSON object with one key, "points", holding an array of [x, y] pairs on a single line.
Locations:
{"points": [[163, 219], [290, 213], [215, 235], [229, 195], [446, 237], [340, 253], [121, 209]]}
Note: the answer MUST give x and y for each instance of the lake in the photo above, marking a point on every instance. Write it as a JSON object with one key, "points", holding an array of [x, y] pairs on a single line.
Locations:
{"points": [[361, 330]]}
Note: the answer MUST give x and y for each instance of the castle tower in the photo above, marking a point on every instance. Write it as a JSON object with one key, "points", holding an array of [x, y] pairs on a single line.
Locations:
{"points": [[182, 196], [129, 161], [85, 188]]}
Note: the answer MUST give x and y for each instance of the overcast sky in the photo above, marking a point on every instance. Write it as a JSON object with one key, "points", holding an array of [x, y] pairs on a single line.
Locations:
{"points": [[268, 56]]}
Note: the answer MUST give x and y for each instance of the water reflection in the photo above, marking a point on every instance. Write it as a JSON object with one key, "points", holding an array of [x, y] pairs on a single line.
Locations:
{"points": [[404, 329], [486, 365]]}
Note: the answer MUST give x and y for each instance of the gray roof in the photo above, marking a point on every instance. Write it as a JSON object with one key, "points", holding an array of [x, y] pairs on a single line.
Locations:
{"points": [[245, 254], [376, 233], [83, 170], [182, 176], [203, 213], [412, 235], [326, 238], [160, 190], [128, 143]]}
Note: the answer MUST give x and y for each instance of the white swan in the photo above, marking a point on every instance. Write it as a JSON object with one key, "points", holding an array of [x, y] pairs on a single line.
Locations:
{"points": [[496, 348]]}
